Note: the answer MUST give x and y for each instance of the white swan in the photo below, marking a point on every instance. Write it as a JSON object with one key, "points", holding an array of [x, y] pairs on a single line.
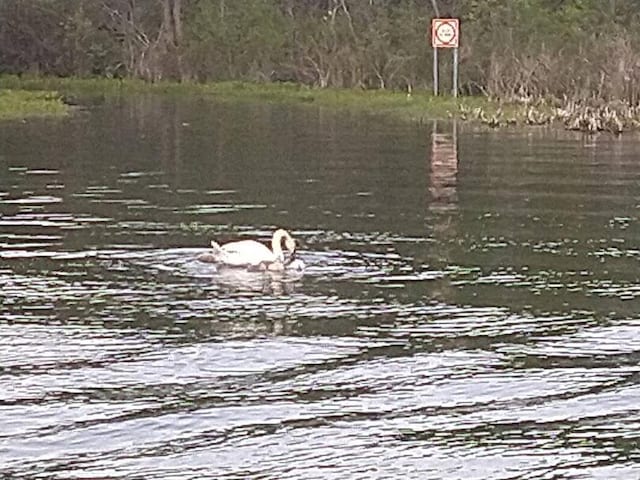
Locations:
{"points": [[249, 253]]}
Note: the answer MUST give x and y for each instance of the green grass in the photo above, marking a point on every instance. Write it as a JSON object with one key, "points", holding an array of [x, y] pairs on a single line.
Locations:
{"points": [[420, 105], [22, 103], [417, 106], [76, 86]]}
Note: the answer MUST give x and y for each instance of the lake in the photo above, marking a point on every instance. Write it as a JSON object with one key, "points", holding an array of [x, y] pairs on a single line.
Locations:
{"points": [[469, 308]]}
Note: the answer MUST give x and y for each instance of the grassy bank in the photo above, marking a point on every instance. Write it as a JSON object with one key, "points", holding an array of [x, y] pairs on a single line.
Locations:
{"points": [[16, 104], [416, 106], [27, 96]]}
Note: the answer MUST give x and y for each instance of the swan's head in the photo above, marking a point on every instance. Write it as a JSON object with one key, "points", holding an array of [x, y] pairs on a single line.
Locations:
{"points": [[289, 243]]}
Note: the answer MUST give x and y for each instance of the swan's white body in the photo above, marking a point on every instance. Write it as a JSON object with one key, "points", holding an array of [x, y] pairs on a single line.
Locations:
{"points": [[249, 253]]}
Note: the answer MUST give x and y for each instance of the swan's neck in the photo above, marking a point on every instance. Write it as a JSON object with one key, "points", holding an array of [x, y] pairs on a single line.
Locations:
{"points": [[276, 243]]}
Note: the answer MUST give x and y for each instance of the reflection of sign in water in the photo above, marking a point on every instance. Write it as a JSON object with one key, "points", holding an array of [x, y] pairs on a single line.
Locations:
{"points": [[444, 169], [445, 32]]}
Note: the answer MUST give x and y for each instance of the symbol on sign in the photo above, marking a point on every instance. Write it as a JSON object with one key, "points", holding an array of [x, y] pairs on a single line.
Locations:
{"points": [[444, 32]]}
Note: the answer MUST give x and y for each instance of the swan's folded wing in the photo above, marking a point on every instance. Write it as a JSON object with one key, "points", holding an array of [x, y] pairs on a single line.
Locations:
{"points": [[245, 252]]}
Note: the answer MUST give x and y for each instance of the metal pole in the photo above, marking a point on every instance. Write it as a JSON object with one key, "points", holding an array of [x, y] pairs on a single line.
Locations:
{"points": [[455, 72], [435, 71]]}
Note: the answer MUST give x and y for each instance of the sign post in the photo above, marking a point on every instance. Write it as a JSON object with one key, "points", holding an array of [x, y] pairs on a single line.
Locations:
{"points": [[445, 33]]}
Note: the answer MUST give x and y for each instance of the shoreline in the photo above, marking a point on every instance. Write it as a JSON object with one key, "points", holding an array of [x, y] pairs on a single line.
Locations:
{"points": [[416, 106], [29, 96]]}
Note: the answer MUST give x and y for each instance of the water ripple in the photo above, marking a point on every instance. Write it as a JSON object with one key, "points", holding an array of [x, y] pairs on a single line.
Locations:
{"points": [[484, 327]]}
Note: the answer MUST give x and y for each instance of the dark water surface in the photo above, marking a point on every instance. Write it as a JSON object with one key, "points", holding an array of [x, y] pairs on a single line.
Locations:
{"points": [[469, 309]]}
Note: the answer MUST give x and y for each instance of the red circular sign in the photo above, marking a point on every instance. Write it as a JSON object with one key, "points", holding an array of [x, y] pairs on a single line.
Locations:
{"points": [[445, 32]]}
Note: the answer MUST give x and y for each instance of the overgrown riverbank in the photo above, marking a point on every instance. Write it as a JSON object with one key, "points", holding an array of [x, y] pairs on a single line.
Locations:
{"points": [[575, 63]]}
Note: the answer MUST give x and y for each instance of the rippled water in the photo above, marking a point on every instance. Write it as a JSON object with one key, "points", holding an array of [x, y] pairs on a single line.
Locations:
{"points": [[469, 307]]}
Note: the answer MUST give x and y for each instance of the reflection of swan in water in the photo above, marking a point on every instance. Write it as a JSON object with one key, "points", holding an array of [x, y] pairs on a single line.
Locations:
{"points": [[254, 255], [268, 278], [265, 280]]}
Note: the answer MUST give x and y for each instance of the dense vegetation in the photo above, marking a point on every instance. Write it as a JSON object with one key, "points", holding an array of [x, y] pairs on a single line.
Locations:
{"points": [[580, 49]]}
